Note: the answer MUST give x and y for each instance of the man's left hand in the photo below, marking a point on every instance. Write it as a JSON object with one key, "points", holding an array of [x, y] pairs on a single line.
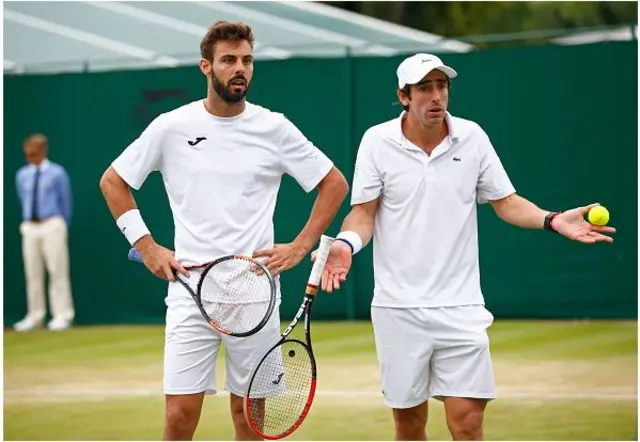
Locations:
{"points": [[573, 225], [281, 257]]}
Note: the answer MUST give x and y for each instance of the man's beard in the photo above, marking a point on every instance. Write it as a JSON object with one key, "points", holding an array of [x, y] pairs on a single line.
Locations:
{"points": [[225, 93]]}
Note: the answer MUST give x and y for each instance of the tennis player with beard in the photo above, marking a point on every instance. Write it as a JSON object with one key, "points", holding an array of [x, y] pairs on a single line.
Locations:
{"points": [[221, 159]]}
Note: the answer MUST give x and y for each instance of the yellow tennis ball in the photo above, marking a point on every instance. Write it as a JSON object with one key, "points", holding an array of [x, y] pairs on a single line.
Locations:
{"points": [[598, 216]]}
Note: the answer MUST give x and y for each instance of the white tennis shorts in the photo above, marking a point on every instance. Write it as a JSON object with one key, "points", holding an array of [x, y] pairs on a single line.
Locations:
{"points": [[191, 351], [433, 352]]}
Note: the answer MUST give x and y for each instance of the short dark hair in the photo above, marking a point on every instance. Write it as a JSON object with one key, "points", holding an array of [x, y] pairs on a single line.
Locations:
{"points": [[224, 31]]}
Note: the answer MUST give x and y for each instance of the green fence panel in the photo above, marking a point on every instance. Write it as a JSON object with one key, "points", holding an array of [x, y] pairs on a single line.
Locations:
{"points": [[89, 119], [563, 119], [564, 122]]}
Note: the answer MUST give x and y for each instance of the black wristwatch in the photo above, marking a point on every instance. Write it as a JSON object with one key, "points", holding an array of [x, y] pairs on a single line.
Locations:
{"points": [[548, 219]]}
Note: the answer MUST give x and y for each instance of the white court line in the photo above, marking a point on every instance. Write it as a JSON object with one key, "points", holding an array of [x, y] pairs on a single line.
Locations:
{"points": [[133, 392]]}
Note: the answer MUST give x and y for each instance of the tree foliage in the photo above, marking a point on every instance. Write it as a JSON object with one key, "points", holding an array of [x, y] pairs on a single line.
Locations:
{"points": [[465, 19]]}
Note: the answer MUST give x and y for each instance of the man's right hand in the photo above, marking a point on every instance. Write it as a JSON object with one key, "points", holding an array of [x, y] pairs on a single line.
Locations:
{"points": [[159, 260], [337, 267]]}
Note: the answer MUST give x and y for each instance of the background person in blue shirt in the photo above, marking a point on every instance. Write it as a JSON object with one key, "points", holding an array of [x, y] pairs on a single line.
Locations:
{"points": [[45, 194]]}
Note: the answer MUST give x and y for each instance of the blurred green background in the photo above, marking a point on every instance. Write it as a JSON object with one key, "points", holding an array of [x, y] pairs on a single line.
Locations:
{"points": [[563, 120]]}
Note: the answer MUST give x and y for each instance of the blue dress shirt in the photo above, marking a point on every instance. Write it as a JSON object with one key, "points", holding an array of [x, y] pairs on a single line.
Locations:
{"points": [[53, 195]]}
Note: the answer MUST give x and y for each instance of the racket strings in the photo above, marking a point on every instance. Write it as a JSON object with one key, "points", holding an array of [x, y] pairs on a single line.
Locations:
{"points": [[236, 281], [236, 294], [281, 389]]}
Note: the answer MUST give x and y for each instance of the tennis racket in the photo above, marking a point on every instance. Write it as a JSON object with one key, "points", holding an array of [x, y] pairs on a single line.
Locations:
{"points": [[283, 384], [235, 294]]}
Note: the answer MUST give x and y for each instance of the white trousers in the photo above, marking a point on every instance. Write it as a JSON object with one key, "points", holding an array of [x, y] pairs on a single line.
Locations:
{"points": [[44, 244]]}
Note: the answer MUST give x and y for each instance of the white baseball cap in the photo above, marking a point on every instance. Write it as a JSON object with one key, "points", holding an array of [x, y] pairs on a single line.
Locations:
{"points": [[415, 68]]}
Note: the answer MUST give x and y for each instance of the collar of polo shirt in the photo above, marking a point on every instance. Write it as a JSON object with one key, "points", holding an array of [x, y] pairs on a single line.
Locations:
{"points": [[397, 136]]}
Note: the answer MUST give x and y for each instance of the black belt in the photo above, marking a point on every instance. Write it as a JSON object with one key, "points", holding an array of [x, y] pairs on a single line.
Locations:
{"points": [[40, 220]]}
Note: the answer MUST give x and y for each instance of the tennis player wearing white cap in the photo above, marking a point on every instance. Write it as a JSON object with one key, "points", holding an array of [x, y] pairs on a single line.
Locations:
{"points": [[416, 184]]}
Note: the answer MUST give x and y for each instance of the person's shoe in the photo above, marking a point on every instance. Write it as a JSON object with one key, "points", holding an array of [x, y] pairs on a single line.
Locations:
{"points": [[57, 324], [26, 324]]}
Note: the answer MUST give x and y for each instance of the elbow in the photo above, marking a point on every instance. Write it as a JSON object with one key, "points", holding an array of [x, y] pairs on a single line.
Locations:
{"points": [[506, 207], [104, 181], [503, 212], [109, 180], [343, 186], [336, 184]]}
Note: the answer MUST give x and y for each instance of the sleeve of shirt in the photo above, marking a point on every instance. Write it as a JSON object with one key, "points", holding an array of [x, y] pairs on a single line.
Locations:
{"points": [[18, 189], [66, 201], [367, 182], [493, 181], [143, 155], [301, 159]]}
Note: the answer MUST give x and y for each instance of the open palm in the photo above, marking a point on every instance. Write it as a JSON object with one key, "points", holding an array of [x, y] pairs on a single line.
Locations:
{"points": [[337, 266], [572, 225]]}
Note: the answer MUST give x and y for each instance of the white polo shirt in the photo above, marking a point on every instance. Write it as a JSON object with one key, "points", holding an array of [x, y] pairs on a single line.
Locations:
{"points": [[425, 242], [222, 175]]}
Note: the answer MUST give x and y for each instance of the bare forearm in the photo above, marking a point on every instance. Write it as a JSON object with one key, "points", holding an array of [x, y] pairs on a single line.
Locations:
{"points": [[520, 212], [331, 193], [361, 220], [120, 200], [117, 194]]}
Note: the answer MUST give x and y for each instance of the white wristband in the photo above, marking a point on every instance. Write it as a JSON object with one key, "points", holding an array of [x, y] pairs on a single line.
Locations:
{"points": [[351, 238], [132, 226]]}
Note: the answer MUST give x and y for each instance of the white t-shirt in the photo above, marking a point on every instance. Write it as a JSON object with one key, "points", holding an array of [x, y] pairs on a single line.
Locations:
{"points": [[222, 176], [425, 242]]}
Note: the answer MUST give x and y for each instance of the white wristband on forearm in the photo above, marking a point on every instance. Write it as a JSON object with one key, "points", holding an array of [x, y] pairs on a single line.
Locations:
{"points": [[132, 226], [352, 239]]}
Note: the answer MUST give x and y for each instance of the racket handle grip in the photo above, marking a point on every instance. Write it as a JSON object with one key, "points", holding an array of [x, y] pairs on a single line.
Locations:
{"points": [[321, 259], [134, 255]]}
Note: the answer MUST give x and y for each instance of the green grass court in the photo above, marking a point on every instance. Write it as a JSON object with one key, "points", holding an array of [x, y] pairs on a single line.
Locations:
{"points": [[556, 381]]}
